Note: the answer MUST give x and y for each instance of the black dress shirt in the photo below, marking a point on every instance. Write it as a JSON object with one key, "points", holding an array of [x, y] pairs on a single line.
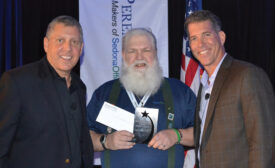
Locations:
{"points": [[72, 113]]}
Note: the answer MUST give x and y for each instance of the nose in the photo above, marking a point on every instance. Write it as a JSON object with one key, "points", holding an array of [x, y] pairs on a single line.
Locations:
{"points": [[67, 46], [139, 55], [201, 41]]}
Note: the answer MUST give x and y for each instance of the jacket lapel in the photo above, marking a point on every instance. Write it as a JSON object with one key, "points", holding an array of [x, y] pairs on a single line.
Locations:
{"points": [[220, 79], [197, 127]]}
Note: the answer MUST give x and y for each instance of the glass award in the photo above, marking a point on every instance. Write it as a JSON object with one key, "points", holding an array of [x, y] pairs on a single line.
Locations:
{"points": [[145, 124]]}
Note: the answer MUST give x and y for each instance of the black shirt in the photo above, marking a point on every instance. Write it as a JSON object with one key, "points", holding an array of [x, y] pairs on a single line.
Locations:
{"points": [[72, 112]]}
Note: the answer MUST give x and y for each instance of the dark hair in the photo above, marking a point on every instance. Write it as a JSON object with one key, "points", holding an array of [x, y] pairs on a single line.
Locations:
{"points": [[203, 15], [139, 31], [67, 21]]}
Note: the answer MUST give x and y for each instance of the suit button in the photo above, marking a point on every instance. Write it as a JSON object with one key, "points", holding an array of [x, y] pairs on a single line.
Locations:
{"points": [[67, 161]]}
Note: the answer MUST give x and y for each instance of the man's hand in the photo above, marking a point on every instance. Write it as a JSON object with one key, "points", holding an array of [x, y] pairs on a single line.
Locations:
{"points": [[164, 139], [119, 140]]}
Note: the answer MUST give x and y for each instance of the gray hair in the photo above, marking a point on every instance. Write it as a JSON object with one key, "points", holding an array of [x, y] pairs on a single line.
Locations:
{"points": [[203, 15], [138, 31], [67, 21]]}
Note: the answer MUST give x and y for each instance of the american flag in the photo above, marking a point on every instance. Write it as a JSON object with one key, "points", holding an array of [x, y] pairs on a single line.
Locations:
{"points": [[190, 71]]}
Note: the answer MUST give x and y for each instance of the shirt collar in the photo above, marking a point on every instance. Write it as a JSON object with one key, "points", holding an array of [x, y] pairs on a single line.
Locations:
{"points": [[54, 73], [205, 78]]}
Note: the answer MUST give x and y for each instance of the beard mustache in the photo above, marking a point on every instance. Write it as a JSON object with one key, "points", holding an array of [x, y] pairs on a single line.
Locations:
{"points": [[141, 81]]}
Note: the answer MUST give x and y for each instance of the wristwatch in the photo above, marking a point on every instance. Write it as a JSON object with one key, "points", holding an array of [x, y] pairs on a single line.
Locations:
{"points": [[103, 140]]}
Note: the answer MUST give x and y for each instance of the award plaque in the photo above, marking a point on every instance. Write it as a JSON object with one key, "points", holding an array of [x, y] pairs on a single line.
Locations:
{"points": [[145, 124]]}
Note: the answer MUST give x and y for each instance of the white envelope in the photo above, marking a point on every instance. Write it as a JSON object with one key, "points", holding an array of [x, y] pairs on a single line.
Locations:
{"points": [[116, 118]]}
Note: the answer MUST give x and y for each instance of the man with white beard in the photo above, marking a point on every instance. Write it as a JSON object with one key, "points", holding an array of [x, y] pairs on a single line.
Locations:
{"points": [[142, 84]]}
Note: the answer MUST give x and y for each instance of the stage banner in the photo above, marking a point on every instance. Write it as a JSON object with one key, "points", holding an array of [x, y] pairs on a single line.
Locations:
{"points": [[104, 23]]}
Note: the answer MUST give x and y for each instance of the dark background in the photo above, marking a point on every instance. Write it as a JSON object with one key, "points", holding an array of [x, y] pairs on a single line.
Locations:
{"points": [[248, 24]]}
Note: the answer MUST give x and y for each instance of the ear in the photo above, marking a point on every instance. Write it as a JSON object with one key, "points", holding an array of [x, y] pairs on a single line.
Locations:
{"points": [[81, 49], [222, 37], [46, 44], [123, 55]]}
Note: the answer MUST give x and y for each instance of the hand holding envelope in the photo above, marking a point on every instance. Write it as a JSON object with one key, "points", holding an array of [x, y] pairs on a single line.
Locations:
{"points": [[143, 124], [120, 120]]}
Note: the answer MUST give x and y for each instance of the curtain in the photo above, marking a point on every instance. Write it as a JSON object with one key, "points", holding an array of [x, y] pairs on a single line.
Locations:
{"points": [[10, 34]]}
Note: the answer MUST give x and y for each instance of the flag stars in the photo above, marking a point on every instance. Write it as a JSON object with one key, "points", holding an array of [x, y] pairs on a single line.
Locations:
{"points": [[188, 49], [190, 12]]}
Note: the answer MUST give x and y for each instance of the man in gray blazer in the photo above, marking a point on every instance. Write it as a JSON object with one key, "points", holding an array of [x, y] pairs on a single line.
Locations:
{"points": [[42, 106], [235, 115]]}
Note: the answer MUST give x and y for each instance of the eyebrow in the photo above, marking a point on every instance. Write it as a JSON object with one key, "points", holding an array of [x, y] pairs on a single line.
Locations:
{"points": [[201, 33]]}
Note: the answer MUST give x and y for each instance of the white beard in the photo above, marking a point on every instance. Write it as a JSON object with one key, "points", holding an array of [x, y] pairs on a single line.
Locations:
{"points": [[141, 81]]}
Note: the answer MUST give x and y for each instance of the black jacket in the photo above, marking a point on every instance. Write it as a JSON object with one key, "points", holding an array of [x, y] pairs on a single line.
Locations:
{"points": [[33, 132]]}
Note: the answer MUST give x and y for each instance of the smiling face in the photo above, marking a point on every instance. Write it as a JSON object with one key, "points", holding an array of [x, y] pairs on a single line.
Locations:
{"points": [[63, 47], [140, 52], [206, 44]]}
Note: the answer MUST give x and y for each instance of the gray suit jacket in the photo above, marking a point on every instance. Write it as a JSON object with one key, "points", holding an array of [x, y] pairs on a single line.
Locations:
{"points": [[239, 130]]}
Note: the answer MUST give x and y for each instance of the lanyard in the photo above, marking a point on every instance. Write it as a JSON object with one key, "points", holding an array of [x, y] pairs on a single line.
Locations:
{"points": [[134, 100]]}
